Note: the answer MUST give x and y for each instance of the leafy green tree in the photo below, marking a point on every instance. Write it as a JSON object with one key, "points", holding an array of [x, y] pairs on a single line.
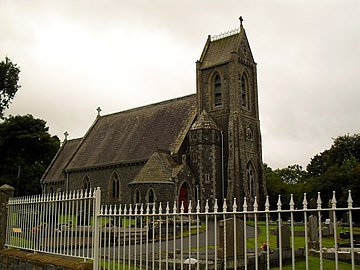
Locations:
{"points": [[9, 77], [293, 174], [345, 147], [26, 149], [336, 169]]}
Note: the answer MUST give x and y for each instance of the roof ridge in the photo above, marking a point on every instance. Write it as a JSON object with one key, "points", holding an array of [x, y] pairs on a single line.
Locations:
{"points": [[148, 105], [225, 34]]}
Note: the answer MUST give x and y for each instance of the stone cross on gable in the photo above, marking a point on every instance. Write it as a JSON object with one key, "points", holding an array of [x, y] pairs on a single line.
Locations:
{"points": [[66, 134], [241, 20], [98, 110]]}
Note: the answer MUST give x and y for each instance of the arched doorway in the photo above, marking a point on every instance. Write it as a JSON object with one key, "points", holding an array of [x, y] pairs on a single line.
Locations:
{"points": [[183, 196]]}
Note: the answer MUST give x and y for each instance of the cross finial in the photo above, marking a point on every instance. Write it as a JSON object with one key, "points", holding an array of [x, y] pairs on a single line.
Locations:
{"points": [[241, 20], [98, 110], [66, 134]]}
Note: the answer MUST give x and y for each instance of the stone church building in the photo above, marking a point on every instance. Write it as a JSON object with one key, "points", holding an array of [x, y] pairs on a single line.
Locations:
{"points": [[197, 147]]}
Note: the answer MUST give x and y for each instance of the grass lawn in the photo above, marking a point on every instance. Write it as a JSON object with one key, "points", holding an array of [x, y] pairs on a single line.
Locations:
{"points": [[314, 263], [299, 241]]}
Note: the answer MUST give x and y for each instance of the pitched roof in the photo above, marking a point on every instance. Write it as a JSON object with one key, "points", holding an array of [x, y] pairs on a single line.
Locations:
{"points": [[55, 170], [160, 168], [204, 121], [134, 135], [218, 50]]}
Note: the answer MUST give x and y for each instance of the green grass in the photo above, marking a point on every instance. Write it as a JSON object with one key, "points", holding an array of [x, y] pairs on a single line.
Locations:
{"points": [[117, 266], [20, 242], [314, 263], [299, 241]]}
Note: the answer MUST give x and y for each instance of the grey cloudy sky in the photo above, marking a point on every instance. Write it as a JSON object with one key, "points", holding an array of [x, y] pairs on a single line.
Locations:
{"points": [[76, 55]]}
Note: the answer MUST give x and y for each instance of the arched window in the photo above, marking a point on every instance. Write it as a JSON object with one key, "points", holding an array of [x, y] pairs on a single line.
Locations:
{"points": [[217, 91], [244, 88], [250, 175], [115, 185], [151, 196], [86, 183], [137, 196]]}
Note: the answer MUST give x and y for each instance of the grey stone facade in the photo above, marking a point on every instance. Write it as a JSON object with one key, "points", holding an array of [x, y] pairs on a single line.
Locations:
{"points": [[202, 147]]}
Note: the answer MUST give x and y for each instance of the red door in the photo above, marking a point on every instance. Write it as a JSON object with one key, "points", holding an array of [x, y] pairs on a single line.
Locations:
{"points": [[183, 198]]}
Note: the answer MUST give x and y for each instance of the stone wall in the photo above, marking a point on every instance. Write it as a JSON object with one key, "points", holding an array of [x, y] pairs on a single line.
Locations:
{"points": [[13, 259], [6, 192]]}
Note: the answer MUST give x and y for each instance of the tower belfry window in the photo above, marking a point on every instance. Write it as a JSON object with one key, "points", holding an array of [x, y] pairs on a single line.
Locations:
{"points": [[217, 91], [244, 91]]}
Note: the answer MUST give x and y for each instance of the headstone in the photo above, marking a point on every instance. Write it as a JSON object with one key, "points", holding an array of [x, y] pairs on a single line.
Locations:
{"points": [[313, 230], [326, 230], [285, 237], [312, 205], [226, 227]]}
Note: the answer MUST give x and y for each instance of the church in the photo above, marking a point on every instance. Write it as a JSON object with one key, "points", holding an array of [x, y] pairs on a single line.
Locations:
{"points": [[204, 146]]}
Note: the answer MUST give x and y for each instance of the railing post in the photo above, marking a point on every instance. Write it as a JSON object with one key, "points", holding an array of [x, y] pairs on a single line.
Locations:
{"points": [[96, 233]]}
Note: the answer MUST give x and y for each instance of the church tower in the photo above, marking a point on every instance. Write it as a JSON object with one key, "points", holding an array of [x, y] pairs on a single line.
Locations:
{"points": [[227, 92]]}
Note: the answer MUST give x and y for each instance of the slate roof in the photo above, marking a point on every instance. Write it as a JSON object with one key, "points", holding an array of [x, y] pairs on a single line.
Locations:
{"points": [[160, 168], [219, 51], [134, 135], [54, 172], [204, 121]]}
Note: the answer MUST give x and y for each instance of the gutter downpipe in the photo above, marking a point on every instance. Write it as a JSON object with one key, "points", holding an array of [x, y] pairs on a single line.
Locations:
{"points": [[222, 166]]}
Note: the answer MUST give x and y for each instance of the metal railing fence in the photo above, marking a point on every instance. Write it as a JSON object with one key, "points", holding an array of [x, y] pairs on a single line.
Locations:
{"points": [[165, 236], [61, 223]]}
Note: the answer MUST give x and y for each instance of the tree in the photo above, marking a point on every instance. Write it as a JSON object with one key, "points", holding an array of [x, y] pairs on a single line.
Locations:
{"points": [[336, 169], [293, 174], [9, 77], [26, 149], [345, 147], [284, 182]]}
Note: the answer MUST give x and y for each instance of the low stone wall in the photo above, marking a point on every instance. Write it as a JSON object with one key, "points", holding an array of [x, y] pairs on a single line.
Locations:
{"points": [[14, 259]]}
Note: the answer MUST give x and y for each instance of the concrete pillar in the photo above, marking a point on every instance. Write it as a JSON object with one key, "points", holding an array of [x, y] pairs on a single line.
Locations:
{"points": [[6, 192]]}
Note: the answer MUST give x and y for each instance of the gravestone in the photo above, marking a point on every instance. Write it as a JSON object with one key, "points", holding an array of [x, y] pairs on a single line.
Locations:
{"points": [[312, 205], [226, 227], [313, 231], [285, 237]]}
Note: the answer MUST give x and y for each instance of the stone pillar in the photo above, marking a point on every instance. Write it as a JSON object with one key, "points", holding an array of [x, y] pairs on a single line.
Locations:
{"points": [[6, 192]]}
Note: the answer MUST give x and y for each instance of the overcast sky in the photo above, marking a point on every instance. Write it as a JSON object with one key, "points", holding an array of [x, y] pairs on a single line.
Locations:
{"points": [[77, 55]]}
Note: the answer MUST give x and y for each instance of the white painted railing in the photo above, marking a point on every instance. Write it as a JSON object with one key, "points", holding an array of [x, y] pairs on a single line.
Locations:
{"points": [[168, 237], [59, 223]]}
